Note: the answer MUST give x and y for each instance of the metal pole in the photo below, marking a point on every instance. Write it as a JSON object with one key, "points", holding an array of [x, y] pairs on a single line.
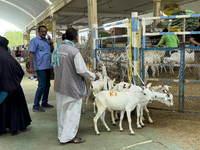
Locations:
{"points": [[95, 46], [183, 79], [134, 41]]}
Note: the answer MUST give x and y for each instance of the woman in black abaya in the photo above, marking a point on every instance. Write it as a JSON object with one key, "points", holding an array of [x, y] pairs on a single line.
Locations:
{"points": [[14, 113]]}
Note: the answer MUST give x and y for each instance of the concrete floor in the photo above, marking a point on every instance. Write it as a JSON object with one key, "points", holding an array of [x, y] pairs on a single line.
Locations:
{"points": [[42, 133]]}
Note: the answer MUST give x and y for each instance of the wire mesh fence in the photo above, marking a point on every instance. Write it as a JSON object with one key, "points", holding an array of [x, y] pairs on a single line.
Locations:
{"points": [[180, 71]]}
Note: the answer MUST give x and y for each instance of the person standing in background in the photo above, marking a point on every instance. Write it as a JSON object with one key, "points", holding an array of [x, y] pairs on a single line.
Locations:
{"points": [[18, 55], [40, 61], [170, 40]]}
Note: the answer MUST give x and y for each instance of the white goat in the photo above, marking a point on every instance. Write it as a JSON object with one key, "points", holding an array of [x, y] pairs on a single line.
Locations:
{"points": [[175, 59], [153, 59], [123, 101], [162, 89]]}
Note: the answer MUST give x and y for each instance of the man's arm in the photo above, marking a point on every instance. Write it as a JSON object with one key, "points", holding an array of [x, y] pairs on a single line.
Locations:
{"points": [[52, 47], [31, 69], [161, 41], [32, 50], [192, 40], [51, 43], [82, 69]]}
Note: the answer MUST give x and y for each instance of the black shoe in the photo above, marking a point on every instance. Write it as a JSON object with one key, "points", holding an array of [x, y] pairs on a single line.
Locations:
{"points": [[47, 105], [38, 109]]}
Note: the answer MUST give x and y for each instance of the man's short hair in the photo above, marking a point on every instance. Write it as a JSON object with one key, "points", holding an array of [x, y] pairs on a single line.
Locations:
{"points": [[42, 26], [165, 30], [63, 37], [71, 34]]}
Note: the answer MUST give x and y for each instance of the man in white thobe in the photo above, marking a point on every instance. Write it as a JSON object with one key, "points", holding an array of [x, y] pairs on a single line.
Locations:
{"points": [[69, 87]]}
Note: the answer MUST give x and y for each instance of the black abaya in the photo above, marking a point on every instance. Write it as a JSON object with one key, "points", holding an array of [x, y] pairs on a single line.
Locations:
{"points": [[14, 113]]}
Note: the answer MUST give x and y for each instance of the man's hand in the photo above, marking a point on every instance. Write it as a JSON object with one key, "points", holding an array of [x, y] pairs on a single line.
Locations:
{"points": [[31, 70], [49, 38], [96, 76]]}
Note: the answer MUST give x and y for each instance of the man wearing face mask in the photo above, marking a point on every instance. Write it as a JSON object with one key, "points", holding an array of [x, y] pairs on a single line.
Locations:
{"points": [[40, 61], [70, 86]]}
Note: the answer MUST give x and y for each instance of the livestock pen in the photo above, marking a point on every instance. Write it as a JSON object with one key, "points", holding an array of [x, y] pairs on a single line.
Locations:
{"points": [[186, 86]]}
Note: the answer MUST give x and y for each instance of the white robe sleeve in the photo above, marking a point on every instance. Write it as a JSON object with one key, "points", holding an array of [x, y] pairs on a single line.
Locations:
{"points": [[81, 67]]}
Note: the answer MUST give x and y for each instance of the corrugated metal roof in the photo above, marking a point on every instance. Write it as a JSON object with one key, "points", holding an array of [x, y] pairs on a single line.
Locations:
{"points": [[23, 12]]}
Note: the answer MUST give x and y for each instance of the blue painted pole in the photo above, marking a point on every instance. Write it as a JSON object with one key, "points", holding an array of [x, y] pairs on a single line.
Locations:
{"points": [[95, 46], [183, 78], [134, 42]]}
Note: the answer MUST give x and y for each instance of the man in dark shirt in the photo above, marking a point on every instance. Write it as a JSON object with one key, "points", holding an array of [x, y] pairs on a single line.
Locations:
{"points": [[195, 39]]}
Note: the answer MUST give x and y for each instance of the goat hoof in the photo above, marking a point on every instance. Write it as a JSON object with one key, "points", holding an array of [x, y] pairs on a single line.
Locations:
{"points": [[143, 125], [133, 133], [151, 122], [114, 124], [108, 130], [139, 127], [116, 119], [121, 130], [98, 133]]}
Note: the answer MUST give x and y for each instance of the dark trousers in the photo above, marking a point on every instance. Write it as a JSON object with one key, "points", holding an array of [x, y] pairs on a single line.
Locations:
{"points": [[43, 87]]}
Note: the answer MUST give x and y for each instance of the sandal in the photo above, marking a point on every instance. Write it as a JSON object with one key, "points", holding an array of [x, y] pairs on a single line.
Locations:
{"points": [[77, 140]]}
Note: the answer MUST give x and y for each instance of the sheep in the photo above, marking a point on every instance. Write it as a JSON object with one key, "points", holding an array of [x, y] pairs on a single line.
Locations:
{"points": [[123, 101]]}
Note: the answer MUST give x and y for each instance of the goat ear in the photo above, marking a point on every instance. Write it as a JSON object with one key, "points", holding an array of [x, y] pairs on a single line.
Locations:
{"points": [[160, 86], [148, 85], [113, 80], [169, 87]]}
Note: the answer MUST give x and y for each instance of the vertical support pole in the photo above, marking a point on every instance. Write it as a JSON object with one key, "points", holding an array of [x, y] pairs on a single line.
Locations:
{"points": [[183, 78], [128, 39], [144, 31], [143, 68], [143, 45], [36, 30], [95, 46], [134, 41], [92, 14], [28, 36], [140, 45], [120, 65], [53, 24], [129, 52], [156, 11]]}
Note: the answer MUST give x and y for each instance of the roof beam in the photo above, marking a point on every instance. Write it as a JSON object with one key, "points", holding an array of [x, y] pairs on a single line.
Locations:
{"points": [[86, 14], [55, 7]]}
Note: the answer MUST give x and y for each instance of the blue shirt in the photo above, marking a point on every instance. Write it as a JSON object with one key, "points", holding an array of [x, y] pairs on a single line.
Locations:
{"points": [[41, 53]]}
